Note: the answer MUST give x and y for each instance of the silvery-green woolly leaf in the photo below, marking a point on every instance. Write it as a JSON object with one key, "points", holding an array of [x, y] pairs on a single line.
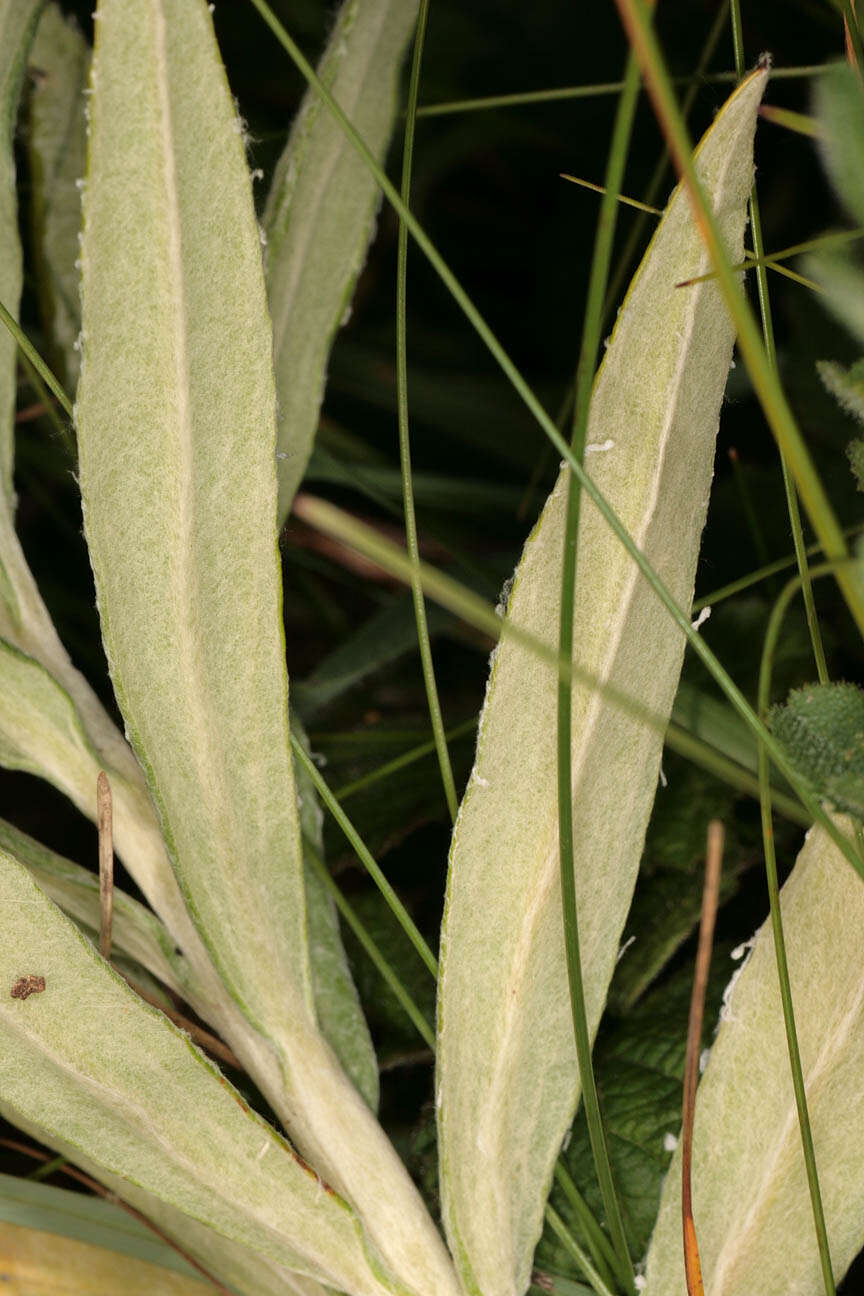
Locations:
{"points": [[18, 19], [176, 437], [507, 1080], [57, 145], [136, 932], [82, 1058], [822, 728], [176, 432], [41, 732], [842, 282], [86, 1245], [320, 214], [337, 1004], [845, 385], [838, 98], [751, 1205]]}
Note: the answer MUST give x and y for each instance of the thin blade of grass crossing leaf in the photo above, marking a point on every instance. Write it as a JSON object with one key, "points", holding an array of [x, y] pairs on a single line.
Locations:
{"points": [[320, 215], [336, 1001], [750, 1198], [84, 1059], [18, 19], [506, 1084], [137, 932], [57, 146], [176, 424]]}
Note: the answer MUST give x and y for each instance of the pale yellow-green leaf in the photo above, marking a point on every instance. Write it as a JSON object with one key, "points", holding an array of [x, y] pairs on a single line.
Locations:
{"points": [[57, 145], [18, 19], [176, 424], [507, 1077], [85, 1060], [751, 1205], [45, 1216], [36, 1263], [136, 932], [320, 214], [104, 1224]]}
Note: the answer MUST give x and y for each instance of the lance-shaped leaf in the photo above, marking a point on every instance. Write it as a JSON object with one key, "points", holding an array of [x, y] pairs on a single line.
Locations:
{"points": [[84, 1059], [57, 145], [18, 19], [176, 424], [751, 1204], [320, 214], [507, 1076]]}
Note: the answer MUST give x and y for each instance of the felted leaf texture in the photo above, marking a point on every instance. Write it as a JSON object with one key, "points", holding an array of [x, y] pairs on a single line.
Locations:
{"points": [[86, 1061], [751, 1204], [507, 1076], [177, 434], [320, 214]]}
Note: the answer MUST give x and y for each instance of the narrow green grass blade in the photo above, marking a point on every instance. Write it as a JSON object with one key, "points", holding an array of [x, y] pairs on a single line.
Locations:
{"points": [[423, 641], [320, 215], [802, 1106], [18, 19], [792, 505], [507, 1086], [750, 1196], [765, 381], [57, 146], [85, 1060]]}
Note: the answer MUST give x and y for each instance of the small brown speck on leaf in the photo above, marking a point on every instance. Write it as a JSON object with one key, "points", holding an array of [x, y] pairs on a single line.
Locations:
{"points": [[27, 985]]}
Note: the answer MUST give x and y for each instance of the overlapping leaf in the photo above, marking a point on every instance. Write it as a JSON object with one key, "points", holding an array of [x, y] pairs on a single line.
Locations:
{"points": [[176, 423], [320, 214], [85, 1060], [750, 1199], [507, 1078]]}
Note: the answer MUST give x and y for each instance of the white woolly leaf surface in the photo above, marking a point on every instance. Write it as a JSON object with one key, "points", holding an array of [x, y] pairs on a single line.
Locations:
{"points": [[176, 423], [507, 1078], [176, 433], [751, 1205], [88, 1062], [320, 214]]}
